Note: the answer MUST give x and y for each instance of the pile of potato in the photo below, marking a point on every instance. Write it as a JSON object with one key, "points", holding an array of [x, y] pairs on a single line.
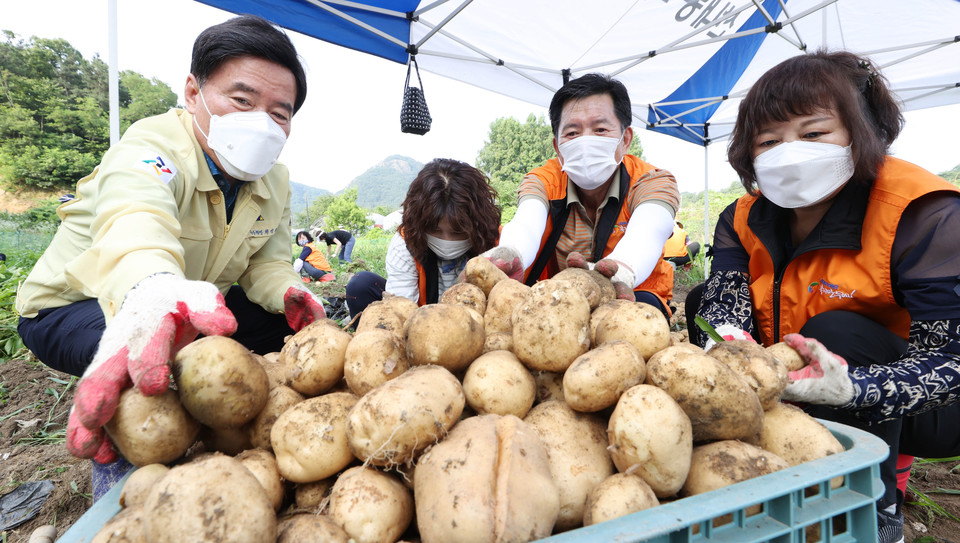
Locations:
{"points": [[503, 413]]}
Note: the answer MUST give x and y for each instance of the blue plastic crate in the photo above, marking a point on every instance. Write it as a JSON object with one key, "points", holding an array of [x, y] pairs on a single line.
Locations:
{"points": [[787, 505], [845, 514]]}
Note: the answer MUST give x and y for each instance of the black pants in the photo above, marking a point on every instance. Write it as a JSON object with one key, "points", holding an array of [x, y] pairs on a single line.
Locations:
{"points": [[66, 338], [363, 289], [861, 341]]}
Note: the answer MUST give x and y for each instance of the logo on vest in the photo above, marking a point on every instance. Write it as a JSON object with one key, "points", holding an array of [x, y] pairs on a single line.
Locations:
{"points": [[829, 290]]}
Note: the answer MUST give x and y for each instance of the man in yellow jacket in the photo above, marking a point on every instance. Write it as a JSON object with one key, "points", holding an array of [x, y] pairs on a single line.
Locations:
{"points": [[183, 229]]}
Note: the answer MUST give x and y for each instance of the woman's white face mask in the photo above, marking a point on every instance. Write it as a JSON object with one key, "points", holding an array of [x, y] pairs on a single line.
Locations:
{"points": [[589, 161], [247, 143], [803, 173], [448, 249]]}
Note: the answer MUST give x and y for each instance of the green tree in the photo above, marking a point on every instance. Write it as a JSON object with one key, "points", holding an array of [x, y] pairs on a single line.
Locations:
{"points": [[316, 211], [145, 98], [344, 213]]}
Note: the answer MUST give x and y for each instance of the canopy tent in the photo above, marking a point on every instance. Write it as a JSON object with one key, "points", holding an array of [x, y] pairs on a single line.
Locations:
{"points": [[686, 63]]}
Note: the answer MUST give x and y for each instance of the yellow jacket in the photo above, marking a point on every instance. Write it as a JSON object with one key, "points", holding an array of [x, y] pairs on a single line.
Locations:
{"points": [[152, 206]]}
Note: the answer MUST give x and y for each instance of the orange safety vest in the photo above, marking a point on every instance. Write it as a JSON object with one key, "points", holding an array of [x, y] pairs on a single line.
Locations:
{"points": [[676, 246], [660, 281], [833, 272], [316, 258]]}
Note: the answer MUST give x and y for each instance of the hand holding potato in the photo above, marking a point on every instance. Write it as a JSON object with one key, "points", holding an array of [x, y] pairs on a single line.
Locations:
{"points": [[619, 274], [507, 259], [824, 380], [301, 307], [161, 314]]}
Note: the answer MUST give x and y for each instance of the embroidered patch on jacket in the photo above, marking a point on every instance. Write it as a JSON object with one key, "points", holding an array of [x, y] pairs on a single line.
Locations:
{"points": [[620, 228], [156, 164], [829, 290]]}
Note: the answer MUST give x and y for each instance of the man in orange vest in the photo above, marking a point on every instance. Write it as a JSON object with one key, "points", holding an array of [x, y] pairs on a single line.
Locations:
{"points": [[576, 209]]}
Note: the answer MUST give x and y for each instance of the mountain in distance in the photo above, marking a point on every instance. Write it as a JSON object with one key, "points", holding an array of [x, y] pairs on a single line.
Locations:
{"points": [[386, 182], [302, 195]]}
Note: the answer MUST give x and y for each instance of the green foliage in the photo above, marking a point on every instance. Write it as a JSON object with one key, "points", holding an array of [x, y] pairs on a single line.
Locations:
{"points": [[344, 213], [300, 197], [691, 211], [54, 110], [953, 175], [315, 213], [11, 274], [512, 149]]}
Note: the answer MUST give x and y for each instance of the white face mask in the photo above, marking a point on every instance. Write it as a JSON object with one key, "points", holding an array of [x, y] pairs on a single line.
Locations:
{"points": [[803, 173], [448, 249], [247, 143], [301, 242], [590, 160]]}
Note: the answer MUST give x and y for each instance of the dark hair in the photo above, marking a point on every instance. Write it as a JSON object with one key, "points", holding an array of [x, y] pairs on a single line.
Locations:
{"points": [[246, 35], [800, 85], [305, 233], [590, 85], [447, 188]]}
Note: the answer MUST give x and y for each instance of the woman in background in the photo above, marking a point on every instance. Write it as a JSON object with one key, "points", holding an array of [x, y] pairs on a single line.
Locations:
{"points": [[311, 260]]}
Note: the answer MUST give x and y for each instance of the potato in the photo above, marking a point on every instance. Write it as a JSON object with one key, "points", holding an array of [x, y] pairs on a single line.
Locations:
{"points": [[310, 528], [383, 315], [640, 324], [151, 429], [467, 294], [550, 326], [597, 378], [134, 491], [124, 527], [445, 335], [229, 441], [618, 495], [394, 422], [582, 281], [787, 355], [309, 439], [370, 506], [498, 383], [219, 382], [549, 385], [279, 400], [312, 495], [796, 437], [483, 273], [277, 372], [765, 374], [488, 481], [723, 463], [504, 297], [600, 312], [608, 292], [650, 435], [720, 404], [210, 499], [576, 445], [263, 465], [498, 341], [372, 358], [315, 356]]}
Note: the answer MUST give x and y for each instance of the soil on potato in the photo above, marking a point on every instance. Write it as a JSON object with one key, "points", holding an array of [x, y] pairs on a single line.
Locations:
{"points": [[29, 411]]}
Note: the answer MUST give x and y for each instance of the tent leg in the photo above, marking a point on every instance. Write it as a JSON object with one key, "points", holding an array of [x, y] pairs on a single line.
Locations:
{"points": [[706, 209]]}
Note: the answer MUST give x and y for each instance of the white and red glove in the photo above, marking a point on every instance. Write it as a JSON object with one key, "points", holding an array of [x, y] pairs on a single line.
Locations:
{"points": [[825, 380], [159, 316], [301, 308], [729, 333], [507, 259], [619, 274]]}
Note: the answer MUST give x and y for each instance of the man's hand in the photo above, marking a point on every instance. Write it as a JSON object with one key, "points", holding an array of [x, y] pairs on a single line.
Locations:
{"points": [[507, 259], [301, 308], [825, 380], [620, 275], [158, 317]]}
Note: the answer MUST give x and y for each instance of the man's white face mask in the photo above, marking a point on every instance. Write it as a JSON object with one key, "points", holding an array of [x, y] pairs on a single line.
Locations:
{"points": [[589, 161], [247, 143], [448, 249], [803, 173]]}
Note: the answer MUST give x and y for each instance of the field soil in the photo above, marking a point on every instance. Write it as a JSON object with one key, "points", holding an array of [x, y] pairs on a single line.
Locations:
{"points": [[31, 411]]}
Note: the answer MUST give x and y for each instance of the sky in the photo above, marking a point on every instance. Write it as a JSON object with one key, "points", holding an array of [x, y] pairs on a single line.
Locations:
{"points": [[351, 117]]}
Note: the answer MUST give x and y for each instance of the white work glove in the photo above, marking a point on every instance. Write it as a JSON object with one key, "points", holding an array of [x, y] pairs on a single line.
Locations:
{"points": [[298, 265], [617, 272], [729, 333], [159, 316], [301, 307], [825, 380], [507, 259]]}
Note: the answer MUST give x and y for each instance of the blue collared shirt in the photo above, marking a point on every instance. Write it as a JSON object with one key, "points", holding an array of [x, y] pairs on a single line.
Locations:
{"points": [[229, 191]]}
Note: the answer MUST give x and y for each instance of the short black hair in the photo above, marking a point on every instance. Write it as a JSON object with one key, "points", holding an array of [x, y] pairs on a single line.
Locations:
{"points": [[305, 233], [590, 85], [246, 35]]}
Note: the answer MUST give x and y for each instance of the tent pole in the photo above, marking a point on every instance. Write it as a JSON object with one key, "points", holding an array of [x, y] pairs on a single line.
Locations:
{"points": [[114, 85], [706, 208]]}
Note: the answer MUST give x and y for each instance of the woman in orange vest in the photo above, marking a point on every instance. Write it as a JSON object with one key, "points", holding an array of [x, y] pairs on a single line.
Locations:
{"points": [[312, 261], [449, 216], [848, 255], [679, 250]]}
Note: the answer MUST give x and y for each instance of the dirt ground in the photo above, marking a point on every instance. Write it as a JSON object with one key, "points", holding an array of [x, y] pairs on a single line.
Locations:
{"points": [[28, 409]]}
